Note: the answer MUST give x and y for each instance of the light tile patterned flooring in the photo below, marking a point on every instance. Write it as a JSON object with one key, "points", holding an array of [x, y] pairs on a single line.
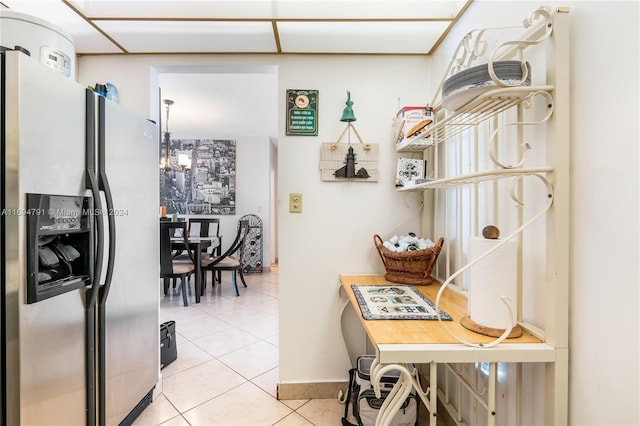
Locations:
{"points": [[227, 366]]}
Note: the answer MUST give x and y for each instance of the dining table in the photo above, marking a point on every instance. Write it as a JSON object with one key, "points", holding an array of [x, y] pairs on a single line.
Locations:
{"points": [[195, 245]]}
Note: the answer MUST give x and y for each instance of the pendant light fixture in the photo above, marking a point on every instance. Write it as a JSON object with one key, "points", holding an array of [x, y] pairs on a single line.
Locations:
{"points": [[164, 160]]}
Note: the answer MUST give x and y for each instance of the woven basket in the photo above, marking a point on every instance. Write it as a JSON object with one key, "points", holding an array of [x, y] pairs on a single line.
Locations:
{"points": [[408, 267]]}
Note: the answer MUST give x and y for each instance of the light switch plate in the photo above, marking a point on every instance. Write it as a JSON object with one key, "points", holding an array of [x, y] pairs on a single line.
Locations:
{"points": [[295, 202]]}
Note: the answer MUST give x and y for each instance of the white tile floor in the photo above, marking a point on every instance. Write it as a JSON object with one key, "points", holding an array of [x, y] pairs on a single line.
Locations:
{"points": [[227, 366]]}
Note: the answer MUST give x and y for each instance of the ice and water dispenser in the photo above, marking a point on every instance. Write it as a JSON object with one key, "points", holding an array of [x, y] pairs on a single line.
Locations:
{"points": [[59, 244]]}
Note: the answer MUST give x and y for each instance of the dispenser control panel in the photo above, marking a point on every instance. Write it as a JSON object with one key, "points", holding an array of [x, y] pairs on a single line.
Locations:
{"points": [[56, 59]]}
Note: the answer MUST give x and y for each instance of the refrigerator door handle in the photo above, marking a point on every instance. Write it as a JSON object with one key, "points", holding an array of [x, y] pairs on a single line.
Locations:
{"points": [[91, 182], [103, 183]]}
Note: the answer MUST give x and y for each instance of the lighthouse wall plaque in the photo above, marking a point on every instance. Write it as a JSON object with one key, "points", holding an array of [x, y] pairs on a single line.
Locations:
{"points": [[355, 162]]}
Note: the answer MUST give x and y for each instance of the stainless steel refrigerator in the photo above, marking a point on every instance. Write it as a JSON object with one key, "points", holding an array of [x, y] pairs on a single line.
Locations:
{"points": [[79, 226]]}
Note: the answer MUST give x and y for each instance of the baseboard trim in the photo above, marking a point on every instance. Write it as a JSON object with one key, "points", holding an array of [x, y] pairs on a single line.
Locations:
{"points": [[317, 390]]}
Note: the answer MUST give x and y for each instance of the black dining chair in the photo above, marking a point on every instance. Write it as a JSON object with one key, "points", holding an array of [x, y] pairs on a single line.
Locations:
{"points": [[202, 227], [171, 269], [230, 260]]}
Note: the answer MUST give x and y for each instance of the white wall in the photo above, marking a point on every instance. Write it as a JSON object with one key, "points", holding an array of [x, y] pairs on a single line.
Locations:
{"points": [[604, 297], [333, 234]]}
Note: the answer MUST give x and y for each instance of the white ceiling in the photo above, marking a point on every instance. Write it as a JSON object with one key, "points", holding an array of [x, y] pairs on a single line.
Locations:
{"points": [[215, 104], [391, 27]]}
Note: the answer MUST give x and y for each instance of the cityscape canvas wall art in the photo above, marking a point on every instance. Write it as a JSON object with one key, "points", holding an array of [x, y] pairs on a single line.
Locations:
{"points": [[207, 185]]}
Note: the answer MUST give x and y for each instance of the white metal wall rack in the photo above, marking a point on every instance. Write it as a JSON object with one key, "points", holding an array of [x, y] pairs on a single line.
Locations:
{"points": [[452, 148]]}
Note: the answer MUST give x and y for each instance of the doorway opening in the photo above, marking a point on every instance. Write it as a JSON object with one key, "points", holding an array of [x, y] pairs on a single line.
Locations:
{"points": [[228, 103]]}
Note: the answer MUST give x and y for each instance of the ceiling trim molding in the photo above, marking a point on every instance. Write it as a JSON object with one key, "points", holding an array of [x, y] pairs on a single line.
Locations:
{"points": [[95, 27], [213, 19], [258, 53], [371, 35], [444, 34], [276, 35]]}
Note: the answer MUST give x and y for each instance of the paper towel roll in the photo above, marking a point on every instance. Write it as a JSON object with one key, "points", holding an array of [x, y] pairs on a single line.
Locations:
{"points": [[491, 279]]}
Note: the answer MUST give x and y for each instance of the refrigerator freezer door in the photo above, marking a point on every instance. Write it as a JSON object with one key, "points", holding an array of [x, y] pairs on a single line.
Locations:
{"points": [[132, 306], [44, 153]]}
